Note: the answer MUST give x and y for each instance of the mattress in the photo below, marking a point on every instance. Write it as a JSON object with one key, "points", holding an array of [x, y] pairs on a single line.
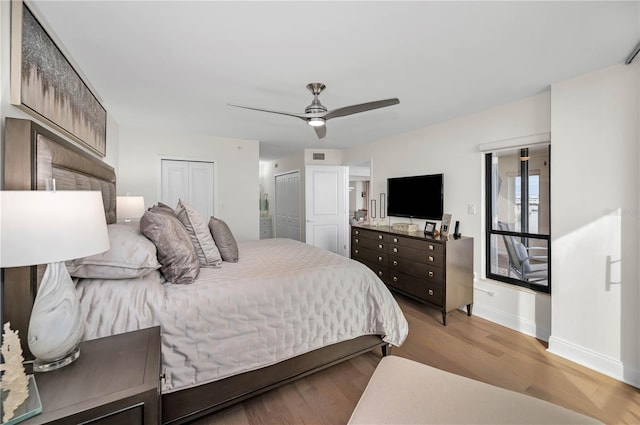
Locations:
{"points": [[282, 299]]}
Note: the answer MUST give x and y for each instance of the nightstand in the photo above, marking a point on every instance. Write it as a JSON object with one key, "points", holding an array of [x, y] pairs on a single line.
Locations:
{"points": [[265, 227], [116, 380]]}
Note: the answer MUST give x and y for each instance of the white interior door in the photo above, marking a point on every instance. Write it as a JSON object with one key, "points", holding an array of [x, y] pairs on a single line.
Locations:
{"points": [[287, 207], [326, 207], [191, 181]]}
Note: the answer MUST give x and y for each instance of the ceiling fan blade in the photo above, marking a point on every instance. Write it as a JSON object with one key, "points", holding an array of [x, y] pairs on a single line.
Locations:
{"points": [[291, 114], [321, 131], [354, 109]]}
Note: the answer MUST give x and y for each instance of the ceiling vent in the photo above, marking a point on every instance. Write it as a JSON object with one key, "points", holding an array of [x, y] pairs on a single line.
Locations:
{"points": [[318, 156]]}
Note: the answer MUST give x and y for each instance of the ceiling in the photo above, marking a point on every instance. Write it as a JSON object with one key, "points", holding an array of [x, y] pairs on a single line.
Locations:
{"points": [[174, 65]]}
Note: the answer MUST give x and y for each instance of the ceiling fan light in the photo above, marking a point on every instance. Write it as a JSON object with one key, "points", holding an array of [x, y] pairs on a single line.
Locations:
{"points": [[315, 122]]}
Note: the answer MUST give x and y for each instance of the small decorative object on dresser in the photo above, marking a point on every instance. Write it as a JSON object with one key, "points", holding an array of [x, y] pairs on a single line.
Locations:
{"points": [[429, 228], [444, 227], [456, 232]]}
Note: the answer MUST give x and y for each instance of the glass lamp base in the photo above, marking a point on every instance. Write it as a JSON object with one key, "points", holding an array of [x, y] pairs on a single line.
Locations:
{"points": [[47, 366]]}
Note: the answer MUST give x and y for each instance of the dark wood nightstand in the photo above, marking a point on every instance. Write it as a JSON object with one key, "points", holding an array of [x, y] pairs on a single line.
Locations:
{"points": [[116, 380]]}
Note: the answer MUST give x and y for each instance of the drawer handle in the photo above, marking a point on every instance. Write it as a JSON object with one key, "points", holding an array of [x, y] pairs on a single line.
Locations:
{"points": [[380, 245], [380, 273], [395, 263], [430, 292], [431, 247], [357, 232], [395, 249], [357, 240], [395, 240], [430, 273], [357, 251], [379, 236], [430, 258], [395, 278], [380, 258]]}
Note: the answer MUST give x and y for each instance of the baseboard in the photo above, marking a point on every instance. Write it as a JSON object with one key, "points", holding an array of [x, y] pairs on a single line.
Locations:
{"points": [[511, 321], [593, 360]]}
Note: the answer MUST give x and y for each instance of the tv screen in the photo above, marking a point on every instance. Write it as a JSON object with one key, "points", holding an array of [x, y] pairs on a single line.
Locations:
{"points": [[416, 196]]}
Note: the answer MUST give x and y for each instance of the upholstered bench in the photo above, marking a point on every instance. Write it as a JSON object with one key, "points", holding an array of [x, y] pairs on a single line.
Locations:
{"points": [[402, 391]]}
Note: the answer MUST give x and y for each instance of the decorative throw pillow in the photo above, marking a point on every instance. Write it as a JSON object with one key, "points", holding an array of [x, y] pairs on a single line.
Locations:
{"points": [[224, 239], [131, 255], [177, 256], [162, 208], [206, 249]]}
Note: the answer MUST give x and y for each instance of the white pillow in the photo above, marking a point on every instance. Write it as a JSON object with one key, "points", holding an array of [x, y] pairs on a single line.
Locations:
{"points": [[131, 255], [206, 249]]}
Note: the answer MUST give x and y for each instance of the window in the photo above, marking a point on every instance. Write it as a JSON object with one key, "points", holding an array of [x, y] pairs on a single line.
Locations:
{"points": [[518, 216]]}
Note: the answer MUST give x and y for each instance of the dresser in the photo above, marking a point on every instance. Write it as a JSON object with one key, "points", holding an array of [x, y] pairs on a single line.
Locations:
{"points": [[433, 270]]}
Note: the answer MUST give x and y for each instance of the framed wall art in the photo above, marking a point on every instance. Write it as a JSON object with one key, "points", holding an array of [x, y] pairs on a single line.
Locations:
{"points": [[46, 85]]}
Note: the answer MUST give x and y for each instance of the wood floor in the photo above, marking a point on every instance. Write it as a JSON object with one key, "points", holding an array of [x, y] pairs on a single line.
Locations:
{"points": [[469, 346]]}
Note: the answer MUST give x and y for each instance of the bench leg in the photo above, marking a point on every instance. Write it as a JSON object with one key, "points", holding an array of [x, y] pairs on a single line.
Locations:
{"points": [[386, 350]]}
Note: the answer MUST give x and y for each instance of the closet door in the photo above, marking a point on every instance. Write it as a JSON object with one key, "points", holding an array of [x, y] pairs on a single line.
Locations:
{"points": [[191, 181], [287, 207]]}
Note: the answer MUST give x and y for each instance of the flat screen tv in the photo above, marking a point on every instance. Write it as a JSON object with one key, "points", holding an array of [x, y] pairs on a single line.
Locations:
{"points": [[416, 196]]}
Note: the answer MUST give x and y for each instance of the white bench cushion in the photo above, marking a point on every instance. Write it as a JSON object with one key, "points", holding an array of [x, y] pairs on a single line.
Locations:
{"points": [[402, 391]]}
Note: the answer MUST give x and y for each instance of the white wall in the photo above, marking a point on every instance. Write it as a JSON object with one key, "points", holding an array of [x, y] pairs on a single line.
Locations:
{"points": [[595, 213], [452, 148], [595, 221], [235, 171]]}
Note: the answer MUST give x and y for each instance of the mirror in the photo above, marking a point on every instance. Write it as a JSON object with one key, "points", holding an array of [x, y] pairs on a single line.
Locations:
{"points": [[359, 191]]}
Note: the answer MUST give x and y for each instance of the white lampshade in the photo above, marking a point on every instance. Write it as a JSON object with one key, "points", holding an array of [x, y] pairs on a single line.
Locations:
{"points": [[129, 207], [50, 227], [41, 227]]}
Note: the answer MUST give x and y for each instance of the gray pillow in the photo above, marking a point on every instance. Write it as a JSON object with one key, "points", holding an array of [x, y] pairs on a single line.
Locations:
{"points": [[162, 208], [176, 254], [131, 255], [224, 240], [206, 249]]}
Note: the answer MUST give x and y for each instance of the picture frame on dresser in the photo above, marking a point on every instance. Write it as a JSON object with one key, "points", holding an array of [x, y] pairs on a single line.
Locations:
{"points": [[429, 228], [46, 85], [444, 227]]}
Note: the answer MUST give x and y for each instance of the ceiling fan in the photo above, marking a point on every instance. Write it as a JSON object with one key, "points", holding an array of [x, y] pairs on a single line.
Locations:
{"points": [[317, 114]]}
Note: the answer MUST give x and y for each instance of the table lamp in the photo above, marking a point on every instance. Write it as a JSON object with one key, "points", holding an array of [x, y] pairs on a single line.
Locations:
{"points": [[129, 207], [50, 227]]}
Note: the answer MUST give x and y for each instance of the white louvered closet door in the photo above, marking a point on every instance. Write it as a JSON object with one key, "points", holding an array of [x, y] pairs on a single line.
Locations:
{"points": [[287, 207], [191, 181]]}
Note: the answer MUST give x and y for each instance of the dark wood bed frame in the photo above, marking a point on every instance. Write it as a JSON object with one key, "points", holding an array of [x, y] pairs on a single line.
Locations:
{"points": [[24, 171]]}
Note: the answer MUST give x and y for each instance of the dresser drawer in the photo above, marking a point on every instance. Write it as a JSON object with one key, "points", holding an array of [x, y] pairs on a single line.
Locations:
{"points": [[415, 254], [368, 234], [369, 255], [417, 287], [429, 271], [423, 244], [380, 270], [374, 244]]}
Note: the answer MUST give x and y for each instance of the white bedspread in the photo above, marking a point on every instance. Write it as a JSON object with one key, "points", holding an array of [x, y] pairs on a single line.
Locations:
{"points": [[282, 299]]}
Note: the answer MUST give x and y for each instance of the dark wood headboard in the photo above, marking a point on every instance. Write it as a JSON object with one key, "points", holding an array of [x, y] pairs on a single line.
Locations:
{"points": [[32, 155]]}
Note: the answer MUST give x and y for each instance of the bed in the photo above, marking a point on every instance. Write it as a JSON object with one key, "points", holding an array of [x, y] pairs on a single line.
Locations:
{"points": [[283, 311]]}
